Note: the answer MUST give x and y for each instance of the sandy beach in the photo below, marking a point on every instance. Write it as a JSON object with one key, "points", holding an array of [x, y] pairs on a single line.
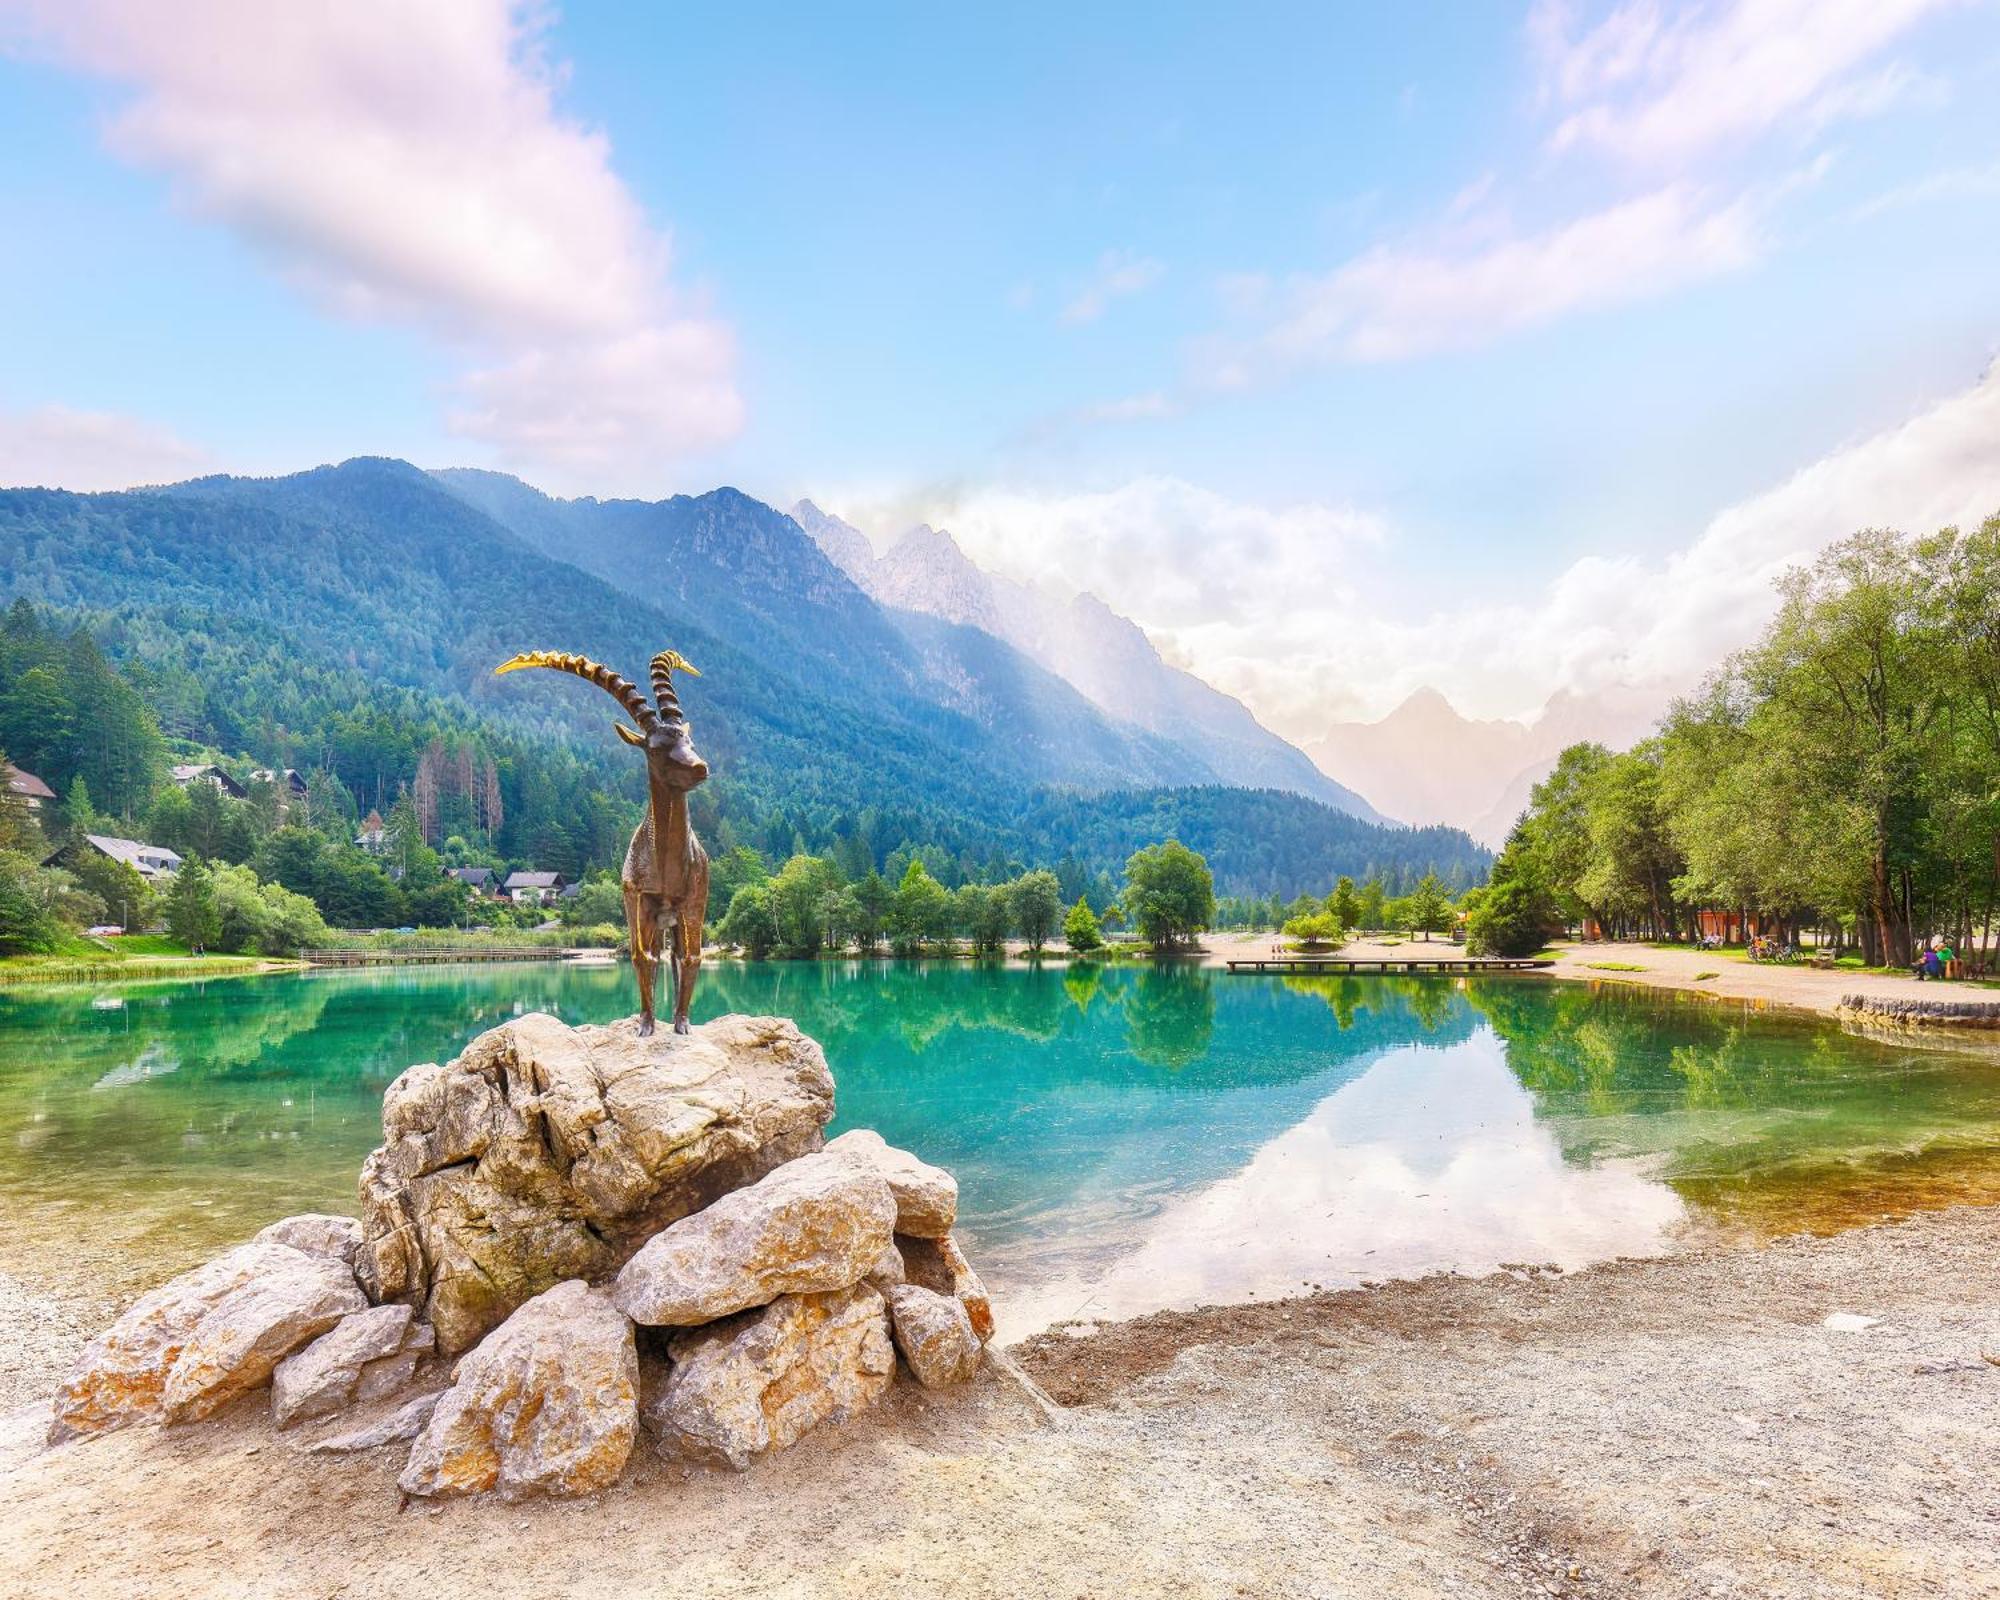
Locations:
{"points": [[1692, 1426]]}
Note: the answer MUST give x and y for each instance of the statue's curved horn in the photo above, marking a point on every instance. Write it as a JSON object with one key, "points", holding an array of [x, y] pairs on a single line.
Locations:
{"points": [[624, 692], [665, 665]]}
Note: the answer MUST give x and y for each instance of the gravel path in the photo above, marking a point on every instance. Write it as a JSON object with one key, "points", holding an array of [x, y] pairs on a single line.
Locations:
{"points": [[1680, 1427]]}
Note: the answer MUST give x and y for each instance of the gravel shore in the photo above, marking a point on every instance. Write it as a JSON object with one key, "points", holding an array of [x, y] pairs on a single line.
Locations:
{"points": [[1692, 1426]]}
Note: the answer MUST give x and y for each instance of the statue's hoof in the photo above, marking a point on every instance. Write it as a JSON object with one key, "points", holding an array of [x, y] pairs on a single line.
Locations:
{"points": [[645, 1027], [680, 1024]]}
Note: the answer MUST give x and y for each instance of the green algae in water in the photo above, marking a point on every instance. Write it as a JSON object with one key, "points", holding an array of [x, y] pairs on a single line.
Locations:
{"points": [[1124, 1138]]}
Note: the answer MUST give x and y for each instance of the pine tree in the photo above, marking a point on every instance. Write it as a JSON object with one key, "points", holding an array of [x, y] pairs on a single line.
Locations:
{"points": [[193, 917]]}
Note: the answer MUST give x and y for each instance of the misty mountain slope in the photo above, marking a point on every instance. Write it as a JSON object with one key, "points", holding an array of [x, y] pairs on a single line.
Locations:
{"points": [[372, 573], [750, 573], [1105, 656]]}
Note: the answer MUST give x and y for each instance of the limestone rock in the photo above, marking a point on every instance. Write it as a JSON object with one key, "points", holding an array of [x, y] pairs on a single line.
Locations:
{"points": [[237, 1345], [366, 1355], [195, 1342], [815, 1224], [317, 1234], [934, 1333], [548, 1403], [926, 1196], [939, 1265], [406, 1422], [758, 1381], [546, 1152], [888, 1268]]}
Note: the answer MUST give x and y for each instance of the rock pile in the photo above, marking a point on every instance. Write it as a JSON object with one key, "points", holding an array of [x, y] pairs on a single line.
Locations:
{"points": [[612, 1235]]}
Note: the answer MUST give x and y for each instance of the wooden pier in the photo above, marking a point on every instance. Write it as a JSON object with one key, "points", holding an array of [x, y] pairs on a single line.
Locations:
{"points": [[1382, 966], [431, 955]]}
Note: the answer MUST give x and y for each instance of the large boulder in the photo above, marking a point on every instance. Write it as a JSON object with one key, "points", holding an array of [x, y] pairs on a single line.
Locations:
{"points": [[318, 1234], [940, 1266], [934, 1333], [190, 1346], [366, 1355], [819, 1223], [758, 1381], [548, 1403], [547, 1152], [926, 1196]]}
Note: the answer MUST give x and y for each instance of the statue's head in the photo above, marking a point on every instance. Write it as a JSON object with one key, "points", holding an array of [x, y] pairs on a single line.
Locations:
{"points": [[669, 742], [660, 729]]}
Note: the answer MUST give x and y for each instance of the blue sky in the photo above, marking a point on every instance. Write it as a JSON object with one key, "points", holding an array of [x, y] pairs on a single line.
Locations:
{"points": [[1335, 344]]}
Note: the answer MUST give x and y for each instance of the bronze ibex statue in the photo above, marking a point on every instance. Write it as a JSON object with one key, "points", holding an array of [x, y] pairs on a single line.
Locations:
{"points": [[666, 869]]}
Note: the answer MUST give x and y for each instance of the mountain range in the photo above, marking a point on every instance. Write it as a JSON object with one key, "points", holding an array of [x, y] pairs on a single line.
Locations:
{"points": [[328, 616], [1105, 657]]}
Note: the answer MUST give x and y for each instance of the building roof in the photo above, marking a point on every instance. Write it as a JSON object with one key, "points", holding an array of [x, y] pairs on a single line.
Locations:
{"points": [[534, 880], [145, 859], [289, 777], [471, 874], [195, 771], [27, 785]]}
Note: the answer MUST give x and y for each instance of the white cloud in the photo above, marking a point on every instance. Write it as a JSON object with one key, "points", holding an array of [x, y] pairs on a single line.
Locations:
{"points": [[55, 447], [1119, 273], [1660, 87], [1164, 551], [410, 163], [1399, 301]]}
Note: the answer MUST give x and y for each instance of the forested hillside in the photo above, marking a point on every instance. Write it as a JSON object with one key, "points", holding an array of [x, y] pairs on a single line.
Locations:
{"points": [[346, 620]]}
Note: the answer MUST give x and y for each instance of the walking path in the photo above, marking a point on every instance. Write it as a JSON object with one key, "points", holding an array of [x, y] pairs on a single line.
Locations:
{"points": [[1711, 972]]}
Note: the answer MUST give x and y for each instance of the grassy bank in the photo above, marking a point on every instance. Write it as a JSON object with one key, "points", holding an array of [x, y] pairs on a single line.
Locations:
{"points": [[132, 958]]}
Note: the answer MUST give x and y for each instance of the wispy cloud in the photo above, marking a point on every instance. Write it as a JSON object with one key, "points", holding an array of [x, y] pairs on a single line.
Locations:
{"points": [[57, 447], [411, 164], [1655, 85], [1457, 290], [1119, 273]]}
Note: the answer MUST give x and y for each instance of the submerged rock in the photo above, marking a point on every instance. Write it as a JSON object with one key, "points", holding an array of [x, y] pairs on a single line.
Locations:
{"points": [[940, 1266], [759, 1381], [926, 1196], [548, 1403], [546, 1152], [819, 1223], [934, 1333], [366, 1355], [190, 1346]]}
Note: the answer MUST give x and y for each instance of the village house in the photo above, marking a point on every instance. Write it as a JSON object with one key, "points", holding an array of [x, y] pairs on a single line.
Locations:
{"points": [[148, 860], [289, 781], [33, 793], [192, 773], [477, 880], [534, 888], [374, 834]]}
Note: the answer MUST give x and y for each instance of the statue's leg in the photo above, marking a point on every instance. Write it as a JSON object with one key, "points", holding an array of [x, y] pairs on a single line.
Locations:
{"points": [[670, 952], [637, 928], [687, 966]]}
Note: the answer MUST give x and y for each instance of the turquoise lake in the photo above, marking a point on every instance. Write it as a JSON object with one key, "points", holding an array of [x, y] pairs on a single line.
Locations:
{"points": [[1124, 1139]]}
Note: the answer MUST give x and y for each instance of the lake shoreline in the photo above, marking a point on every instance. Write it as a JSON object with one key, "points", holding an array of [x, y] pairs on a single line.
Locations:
{"points": [[1442, 1435]]}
